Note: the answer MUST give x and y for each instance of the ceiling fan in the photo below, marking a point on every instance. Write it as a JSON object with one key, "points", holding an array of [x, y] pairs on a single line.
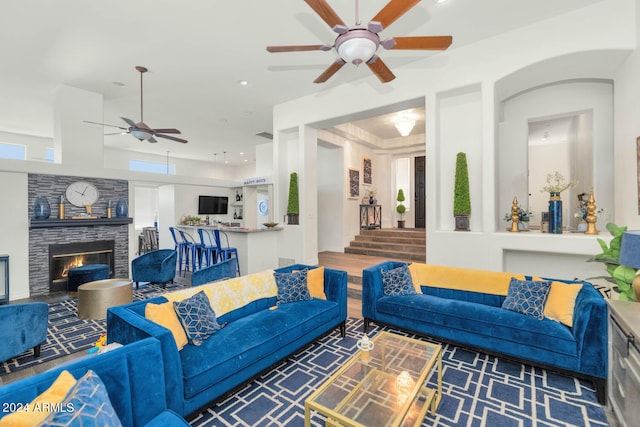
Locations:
{"points": [[358, 44], [141, 130]]}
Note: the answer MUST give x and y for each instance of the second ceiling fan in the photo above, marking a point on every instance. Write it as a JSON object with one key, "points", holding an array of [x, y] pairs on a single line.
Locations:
{"points": [[141, 130], [358, 44]]}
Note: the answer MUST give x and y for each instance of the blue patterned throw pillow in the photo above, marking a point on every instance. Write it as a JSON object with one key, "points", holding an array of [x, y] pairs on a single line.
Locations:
{"points": [[292, 286], [397, 282], [197, 318], [527, 297], [87, 404]]}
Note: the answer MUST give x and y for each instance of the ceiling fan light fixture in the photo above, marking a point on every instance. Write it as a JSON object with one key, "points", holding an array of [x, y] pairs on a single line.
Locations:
{"points": [[141, 134], [357, 46], [405, 125]]}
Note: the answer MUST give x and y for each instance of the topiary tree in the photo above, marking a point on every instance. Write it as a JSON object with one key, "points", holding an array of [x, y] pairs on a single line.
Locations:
{"points": [[293, 207], [461, 197], [401, 209]]}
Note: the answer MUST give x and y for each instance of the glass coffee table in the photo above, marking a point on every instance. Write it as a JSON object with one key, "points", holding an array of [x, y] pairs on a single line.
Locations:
{"points": [[384, 386]]}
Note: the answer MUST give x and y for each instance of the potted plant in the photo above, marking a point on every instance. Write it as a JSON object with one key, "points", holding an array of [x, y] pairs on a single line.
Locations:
{"points": [[401, 209], [461, 197], [293, 207], [621, 275]]}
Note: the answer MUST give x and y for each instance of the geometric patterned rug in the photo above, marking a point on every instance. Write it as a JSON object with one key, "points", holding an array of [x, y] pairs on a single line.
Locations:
{"points": [[478, 390], [66, 334]]}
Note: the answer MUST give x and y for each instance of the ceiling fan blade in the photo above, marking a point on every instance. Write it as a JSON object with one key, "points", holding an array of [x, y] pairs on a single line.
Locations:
{"points": [[333, 68], [129, 122], [172, 138], [388, 15], [151, 139], [166, 131], [105, 124], [276, 49], [419, 43], [380, 69], [116, 133], [327, 14]]}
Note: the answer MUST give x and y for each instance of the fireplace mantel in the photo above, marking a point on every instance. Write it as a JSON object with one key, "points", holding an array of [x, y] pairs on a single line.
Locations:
{"points": [[49, 223]]}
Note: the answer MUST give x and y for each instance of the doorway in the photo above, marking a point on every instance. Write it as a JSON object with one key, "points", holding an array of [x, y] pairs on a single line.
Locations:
{"points": [[420, 192]]}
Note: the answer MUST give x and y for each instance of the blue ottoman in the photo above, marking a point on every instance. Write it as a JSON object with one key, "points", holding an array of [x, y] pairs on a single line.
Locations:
{"points": [[86, 273]]}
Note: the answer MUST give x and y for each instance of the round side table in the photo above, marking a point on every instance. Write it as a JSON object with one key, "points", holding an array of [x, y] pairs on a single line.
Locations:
{"points": [[95, 297]]}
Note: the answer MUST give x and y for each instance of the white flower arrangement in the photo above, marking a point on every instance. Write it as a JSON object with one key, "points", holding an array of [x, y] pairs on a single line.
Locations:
{"points": [[556, 183]]}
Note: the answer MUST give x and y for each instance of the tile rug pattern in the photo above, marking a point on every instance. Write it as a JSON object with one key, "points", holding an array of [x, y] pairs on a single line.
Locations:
{"points": [[478, 390], [67, 334]]}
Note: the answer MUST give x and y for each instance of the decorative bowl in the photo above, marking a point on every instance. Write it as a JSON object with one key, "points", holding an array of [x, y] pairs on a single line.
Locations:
{"points": [[270, 224]]}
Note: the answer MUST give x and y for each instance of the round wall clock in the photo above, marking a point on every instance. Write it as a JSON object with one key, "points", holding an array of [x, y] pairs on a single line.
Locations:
{"points": [[82, 193]]}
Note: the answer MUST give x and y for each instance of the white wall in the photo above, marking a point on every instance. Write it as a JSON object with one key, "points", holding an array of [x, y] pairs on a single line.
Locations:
{"points": [[331, 199], [14, 228], [589, 43]]}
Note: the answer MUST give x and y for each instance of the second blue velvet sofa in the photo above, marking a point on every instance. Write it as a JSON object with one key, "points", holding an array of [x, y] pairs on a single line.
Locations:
{"points": [[463, 306], [255, 337]]}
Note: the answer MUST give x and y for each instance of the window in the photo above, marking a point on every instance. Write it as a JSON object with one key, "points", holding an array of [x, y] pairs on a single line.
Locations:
{"points": [[146, 206], [403, 180], [151, 167], [13, 151]]}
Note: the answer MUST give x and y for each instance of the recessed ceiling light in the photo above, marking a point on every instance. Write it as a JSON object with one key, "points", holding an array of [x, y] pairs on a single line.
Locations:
{"points": [[241, 153], [439, 1], [243, 82]]}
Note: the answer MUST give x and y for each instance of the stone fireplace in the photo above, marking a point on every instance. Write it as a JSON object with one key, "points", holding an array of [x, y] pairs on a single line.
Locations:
{"points": [[62, 257], [50, 236]]}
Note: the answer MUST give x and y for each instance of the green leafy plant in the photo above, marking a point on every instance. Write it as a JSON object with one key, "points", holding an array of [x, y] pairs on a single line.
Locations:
{"points": [[461, 198], [621, 275], [293, 206], [401, 209]]}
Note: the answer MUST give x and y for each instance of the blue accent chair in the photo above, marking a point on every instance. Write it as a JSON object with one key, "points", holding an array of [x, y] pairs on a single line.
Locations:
{"points": [[155, 267], [25, 327], [219, 271], [85, 274]]}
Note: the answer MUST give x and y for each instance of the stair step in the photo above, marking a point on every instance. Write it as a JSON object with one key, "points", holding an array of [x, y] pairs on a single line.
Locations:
{"points": [[391, 239], [388, 246], [388, 253]]}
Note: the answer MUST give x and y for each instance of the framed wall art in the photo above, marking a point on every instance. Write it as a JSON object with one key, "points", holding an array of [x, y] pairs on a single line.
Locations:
{"points": [[354, 183], [367, 173]]}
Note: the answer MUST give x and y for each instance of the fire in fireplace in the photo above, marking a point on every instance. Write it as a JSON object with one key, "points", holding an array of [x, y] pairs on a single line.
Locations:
{"points": [[64, 256]]}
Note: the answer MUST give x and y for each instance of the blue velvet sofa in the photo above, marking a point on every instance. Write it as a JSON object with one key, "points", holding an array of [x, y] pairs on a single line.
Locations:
{"points": [[463, 306], [24, 327], [133, 376], [157, 266], [255, 337]]}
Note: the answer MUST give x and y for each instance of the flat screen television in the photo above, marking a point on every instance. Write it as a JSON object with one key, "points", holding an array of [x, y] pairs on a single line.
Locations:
{"points": [[213, 205]]}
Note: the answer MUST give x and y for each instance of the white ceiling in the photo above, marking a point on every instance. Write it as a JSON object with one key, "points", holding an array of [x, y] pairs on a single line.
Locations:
{"points": [[198, 50]]}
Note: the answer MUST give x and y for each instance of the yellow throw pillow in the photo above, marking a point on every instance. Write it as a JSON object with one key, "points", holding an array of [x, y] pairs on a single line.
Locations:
{"points": [[165, 315], [561, 301], [41, 406], [315, 282], [418, 276]]}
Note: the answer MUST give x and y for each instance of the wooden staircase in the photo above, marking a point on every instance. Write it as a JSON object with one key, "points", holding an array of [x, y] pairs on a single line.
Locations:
{"points": [[408, 244]]}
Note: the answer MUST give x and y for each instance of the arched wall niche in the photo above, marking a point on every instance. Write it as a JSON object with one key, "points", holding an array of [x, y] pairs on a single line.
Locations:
{"points": [[579, 85]]}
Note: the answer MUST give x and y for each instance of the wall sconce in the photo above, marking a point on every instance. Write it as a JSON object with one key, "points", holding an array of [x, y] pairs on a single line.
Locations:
{"points": [[404, 124]]}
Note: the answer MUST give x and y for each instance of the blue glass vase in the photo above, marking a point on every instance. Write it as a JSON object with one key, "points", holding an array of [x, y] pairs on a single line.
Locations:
{"points": [[41, 208], [122, 210], [555, 213]]}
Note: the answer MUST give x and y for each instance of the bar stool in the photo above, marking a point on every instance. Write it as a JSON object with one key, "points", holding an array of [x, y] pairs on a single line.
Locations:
{"points": [[194, 251], [181, 248], [226, 252], [209, 247]]}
